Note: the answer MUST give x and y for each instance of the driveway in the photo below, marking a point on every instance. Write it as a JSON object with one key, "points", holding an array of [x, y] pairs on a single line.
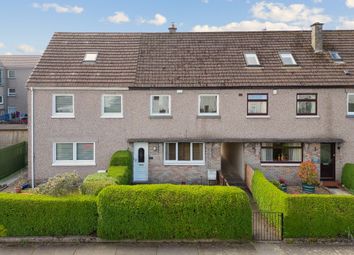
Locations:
{"points": [[176, 248]]}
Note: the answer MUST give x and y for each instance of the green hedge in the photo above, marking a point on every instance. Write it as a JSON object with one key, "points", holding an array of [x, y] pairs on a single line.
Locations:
{"points": [[12, 159], [167, 211], [348, 176], [94, 183], [122, 158], [306, 215], [38, 215], [120, 174]]}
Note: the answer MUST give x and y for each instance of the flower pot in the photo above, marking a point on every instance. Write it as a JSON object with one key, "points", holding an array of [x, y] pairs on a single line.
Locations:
{"points": [[308, 188], [18, 189], [284, 187]]}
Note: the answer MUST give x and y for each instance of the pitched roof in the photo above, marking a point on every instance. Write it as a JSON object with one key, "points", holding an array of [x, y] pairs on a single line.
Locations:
{"points": [[19, 61], [212, 59]]}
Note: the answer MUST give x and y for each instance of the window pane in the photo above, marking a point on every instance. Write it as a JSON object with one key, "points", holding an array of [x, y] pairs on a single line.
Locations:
{"points": [[251, 59], [257, 107], [257, 97], [351, 103], [287, 59], [160, 105], [306, 107], [64, 104], [64, 151], [267, 154], [294, 154], [308, 97], [208, 104], [85, 151], [112, 104], [184, 152], [197, 151], [170, 151], [141, 155]]}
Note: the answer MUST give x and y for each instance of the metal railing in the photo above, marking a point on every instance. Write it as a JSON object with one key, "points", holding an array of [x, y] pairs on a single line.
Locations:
{"points": [[267, 226], [221, 180]]}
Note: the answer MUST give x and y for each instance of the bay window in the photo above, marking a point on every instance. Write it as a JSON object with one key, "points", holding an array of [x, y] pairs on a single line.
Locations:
{"points": [[184, 153], [281, 152]]}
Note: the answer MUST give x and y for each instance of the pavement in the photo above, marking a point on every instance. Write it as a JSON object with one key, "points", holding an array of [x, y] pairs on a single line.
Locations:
{"points": [[155, 248], [12, 179]]}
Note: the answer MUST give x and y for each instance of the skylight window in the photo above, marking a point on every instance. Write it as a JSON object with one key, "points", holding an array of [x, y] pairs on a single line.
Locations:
{"points": [[287, 59], [90, 57], [251, 59], [335, 56]]}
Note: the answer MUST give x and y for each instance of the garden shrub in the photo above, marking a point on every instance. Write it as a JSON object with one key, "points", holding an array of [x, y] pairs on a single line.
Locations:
{"points": [[39, 215], [94, 183], [348, 176], [120, 174], [60, 185], [3, 231], [167, 211], [122, 158], [309, 215]]}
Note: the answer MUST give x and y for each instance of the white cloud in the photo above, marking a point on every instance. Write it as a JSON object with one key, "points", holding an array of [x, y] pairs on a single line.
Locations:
{"points": [[2, 45], [59, 8], [350, 3], [204, 1], [345, 23], [296, 14], [118, 17], [158, 20], [8, 53], [25, 48], [245, 25]]}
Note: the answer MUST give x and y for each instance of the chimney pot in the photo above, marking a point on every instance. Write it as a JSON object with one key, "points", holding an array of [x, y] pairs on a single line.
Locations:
{"points": [[172, 28], [317, 37]]}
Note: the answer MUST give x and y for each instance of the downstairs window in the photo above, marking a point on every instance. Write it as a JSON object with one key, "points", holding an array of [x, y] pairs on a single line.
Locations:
{"points": [[281, 153], [184, 153], [67, 154]]}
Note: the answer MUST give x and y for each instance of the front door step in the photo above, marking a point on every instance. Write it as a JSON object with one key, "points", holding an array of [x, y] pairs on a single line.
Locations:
{"points": [[331, 184]]}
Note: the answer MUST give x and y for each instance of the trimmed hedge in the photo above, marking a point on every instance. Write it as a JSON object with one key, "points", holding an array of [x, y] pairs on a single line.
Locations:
{"points": [[38, 215], [167, 211], [122, 158], [94, 183], [306, 215], [348, 176], [120, 174]]}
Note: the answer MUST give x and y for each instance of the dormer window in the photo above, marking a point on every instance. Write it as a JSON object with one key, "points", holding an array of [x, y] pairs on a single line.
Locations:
{"points": [[287, 59], [90, 57], [335, 56], [251, 59]]}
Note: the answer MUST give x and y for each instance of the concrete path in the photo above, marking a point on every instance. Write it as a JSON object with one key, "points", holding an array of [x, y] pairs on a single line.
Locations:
{"points": [[178, 249]]}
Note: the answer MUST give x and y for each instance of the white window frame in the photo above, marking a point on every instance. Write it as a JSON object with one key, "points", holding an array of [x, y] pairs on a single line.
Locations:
{"points": [[74, 162], [291, 56], [1, 77], [336, 53], [111, 115], [8, 74], [11, 94], [217, 105], [161, 114], [62, 114], [1, 100], [254, 54], [13, 109], [90, 60], [184, 162], [349, 113]]}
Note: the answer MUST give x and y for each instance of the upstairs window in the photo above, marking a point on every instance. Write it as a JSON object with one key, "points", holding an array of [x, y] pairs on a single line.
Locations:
{"points": [[90, 57], [251, 59], [1, 76], [160, 105], [350, 104], [63, 106], [112, 106], [335, 56], [306, 104], [11, 92], [1, 100], [208, 105], [257, 104], [11, 74], [287, 59], [281, 152]]}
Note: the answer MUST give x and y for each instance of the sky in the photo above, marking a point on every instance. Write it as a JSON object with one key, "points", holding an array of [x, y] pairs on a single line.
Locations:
{"points": [[27, 25]]}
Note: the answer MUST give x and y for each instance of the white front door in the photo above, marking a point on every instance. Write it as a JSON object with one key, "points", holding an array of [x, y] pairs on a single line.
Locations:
{"points": [[141, 162]]}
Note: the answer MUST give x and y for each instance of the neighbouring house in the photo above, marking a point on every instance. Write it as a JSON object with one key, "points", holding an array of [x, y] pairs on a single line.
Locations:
{"points": [[187, 103], [14, 73]]}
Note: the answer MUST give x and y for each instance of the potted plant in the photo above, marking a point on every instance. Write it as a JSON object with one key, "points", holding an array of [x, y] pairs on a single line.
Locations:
{"points": [[283, 184], [19, 185], [308, 174]]}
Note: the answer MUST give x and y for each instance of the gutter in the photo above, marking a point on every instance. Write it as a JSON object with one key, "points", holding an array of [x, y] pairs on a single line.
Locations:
{"points": [[32, 138]]}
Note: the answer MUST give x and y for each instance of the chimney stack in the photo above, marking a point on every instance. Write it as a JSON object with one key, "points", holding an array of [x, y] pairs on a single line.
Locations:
{"points": [[172, 28], [316, 37]]}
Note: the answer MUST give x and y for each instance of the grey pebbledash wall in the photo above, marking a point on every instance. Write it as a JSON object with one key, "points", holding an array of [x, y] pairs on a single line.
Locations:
{"points": [[160, 173]]}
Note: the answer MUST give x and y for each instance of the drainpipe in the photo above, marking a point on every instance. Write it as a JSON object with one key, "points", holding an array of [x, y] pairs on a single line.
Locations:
{"points": [[32, 137]]}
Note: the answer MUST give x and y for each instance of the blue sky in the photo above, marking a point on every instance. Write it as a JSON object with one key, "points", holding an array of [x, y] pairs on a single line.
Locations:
{"points": [[28, 25]]}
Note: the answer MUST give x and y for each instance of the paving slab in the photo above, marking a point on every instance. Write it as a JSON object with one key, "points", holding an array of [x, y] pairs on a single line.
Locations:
{"points": [[55, 250], [16, 250], [96, 249], [177, 249], [269, 248], [239, 249], [136, 249]]}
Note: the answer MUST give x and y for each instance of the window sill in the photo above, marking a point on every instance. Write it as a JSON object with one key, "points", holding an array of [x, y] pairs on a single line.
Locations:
{"points": [[208, 117], [350, 116], [280, 164], [111, 116], [188, 163], [74, 163], [160, 117], [63, 116], [307, 116], [258, 117]]}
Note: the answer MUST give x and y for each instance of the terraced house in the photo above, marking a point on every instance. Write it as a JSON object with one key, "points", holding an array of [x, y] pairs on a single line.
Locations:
{"points": [[188, 104]]}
